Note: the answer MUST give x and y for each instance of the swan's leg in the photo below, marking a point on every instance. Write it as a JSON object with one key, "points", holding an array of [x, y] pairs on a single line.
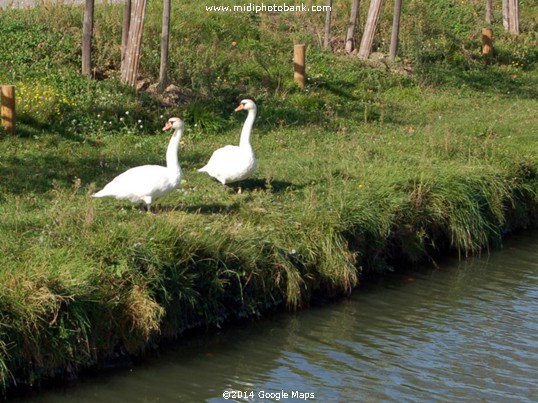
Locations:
{"points": [[148, 201]]}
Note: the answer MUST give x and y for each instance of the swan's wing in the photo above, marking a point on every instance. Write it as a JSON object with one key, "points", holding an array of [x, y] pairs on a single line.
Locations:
{"points": [[135, 183], [229, 164], [220, 158]]}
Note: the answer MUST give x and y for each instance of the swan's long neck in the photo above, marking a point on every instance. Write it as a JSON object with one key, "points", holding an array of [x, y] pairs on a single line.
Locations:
{"points": [[244, 141], [172, 160]]}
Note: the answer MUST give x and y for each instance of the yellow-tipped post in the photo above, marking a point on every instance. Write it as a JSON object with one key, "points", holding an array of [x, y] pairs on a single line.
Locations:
{"points": [[299, 64]]}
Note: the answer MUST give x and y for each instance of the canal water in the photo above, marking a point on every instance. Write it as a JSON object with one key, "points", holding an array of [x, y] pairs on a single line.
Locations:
{"points": [[462, 331]]}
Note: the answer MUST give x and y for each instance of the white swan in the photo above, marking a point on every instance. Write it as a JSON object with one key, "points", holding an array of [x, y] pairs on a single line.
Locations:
{"points": [[234, 163], [145, 183]]}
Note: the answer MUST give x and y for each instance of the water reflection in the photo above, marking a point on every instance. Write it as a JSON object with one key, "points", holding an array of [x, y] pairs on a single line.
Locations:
{"points": [[463, 331]]}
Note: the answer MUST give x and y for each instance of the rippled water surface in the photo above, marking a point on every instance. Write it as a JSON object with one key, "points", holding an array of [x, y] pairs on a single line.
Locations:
{"points": [[465, 331]]}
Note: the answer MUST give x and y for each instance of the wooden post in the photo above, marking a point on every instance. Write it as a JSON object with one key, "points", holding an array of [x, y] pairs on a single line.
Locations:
{"points": [[87, 33], [395, 29], [489, 11], [350, 35], [8, 108], [487, 43], [299, 64], [369, 30], [327, 34], [125, 28], [129, 68], [165, 39], [513, 19], [506, 17]]}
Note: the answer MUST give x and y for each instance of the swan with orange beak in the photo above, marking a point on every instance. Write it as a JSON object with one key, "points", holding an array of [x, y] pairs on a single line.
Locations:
{"points": [[231, 163]]}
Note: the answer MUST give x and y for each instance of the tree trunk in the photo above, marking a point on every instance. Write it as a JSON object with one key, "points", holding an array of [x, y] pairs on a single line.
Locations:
{"points": [[125, 29], [513, 12], [489, 11], [132, 52], [87, 33], [327, 36], [350, 36], [165, 37], [506, 15], [395, 29], [371, 23]]}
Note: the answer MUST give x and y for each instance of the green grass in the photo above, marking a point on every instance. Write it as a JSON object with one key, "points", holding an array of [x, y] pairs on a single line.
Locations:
{"points": [[360, 173]]}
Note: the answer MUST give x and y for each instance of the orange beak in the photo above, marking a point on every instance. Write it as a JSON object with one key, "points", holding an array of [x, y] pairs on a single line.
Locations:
{"points": [[167, 126], [240, 107]]}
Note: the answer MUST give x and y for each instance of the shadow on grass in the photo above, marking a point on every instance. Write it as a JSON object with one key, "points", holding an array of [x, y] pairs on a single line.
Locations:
{"points": [[253, 185], [488, 79], [163, 208], [272, 186], [213, 208], [501, 82], [38, 173], [29, 127]]}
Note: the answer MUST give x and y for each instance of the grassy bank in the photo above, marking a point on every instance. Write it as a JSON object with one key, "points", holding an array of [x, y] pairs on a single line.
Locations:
{"points": [[368, 168]]}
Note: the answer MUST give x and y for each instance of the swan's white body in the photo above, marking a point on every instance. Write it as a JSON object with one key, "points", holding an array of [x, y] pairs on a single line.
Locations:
{"points": [[234, 163], [147, 182]]}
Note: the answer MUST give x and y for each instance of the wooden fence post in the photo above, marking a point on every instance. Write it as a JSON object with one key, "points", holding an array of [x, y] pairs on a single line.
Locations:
{"points": [[487, 43], [87, 34], [394, 38], [299, 64], [8, 107]]}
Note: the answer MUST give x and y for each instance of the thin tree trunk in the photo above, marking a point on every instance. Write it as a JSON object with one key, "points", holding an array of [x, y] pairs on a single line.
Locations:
{"points": [[489, 11], [165, 37], [87, 33], [327, 36], [395, 29], [125, 29], [132, 52], [506, 15], [513, 12], [371, 23], [350, 35]]}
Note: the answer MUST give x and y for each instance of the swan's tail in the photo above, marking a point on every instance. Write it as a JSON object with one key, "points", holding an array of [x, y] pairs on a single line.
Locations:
{"points": [[101, 193]]}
